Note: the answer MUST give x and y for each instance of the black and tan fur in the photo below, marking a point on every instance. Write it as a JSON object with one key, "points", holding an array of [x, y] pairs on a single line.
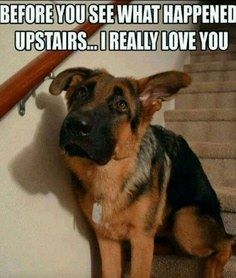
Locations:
{"points": [[148, 181]]}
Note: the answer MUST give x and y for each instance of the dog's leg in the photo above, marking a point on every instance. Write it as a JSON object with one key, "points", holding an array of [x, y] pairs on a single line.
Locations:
{"points": [[111, 256], [141, 258], [215, 263]]}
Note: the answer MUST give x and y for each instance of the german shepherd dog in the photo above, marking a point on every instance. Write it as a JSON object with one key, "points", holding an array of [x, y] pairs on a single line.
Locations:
{"points": [[137, 181]]}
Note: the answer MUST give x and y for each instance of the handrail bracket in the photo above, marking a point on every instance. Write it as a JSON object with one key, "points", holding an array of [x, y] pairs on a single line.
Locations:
{"points": [[22, 103]]}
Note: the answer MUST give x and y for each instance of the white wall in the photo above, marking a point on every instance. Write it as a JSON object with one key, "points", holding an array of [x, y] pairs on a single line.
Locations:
{"points": [[42, 233]]}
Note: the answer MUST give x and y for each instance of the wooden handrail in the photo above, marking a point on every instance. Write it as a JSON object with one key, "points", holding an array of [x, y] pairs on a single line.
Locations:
{"points": [[20, 84]]}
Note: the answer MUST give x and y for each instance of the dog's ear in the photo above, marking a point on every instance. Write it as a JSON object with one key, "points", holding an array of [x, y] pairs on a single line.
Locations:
{"points": [[160, 87], [65, 79]]}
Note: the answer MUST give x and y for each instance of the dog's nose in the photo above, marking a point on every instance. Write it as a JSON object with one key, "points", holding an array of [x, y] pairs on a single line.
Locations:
{"points": [[79, 125]]}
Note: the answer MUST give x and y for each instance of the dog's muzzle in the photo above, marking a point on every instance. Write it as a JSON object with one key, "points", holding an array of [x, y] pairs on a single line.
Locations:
{"points": [[83, 136]]}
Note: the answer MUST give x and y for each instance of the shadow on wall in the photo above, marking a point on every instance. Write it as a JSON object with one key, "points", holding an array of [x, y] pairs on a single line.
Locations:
{"points": [[39, 167]]}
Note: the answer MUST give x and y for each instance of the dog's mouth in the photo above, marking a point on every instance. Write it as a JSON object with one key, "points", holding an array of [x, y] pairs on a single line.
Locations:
{"points": [[73, 150]]}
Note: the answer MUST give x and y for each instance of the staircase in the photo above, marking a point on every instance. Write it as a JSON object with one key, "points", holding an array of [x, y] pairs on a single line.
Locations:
{"points": [[205, 115]]}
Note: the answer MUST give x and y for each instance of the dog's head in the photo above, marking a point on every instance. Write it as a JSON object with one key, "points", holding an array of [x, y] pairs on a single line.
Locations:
{"points": [[107, 115]]}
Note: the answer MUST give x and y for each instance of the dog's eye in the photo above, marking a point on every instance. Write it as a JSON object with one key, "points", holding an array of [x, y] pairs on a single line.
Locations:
{"points": [[121, 106], [82, 92]]}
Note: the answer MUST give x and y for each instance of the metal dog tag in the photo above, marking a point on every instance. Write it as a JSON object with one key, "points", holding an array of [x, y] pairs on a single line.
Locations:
{"points": [[97, 213]]}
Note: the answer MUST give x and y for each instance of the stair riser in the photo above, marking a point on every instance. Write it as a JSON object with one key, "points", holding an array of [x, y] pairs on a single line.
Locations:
{"points": [[213, 76], [204, 131], [221, 172], [213, 57], [208, 100]]}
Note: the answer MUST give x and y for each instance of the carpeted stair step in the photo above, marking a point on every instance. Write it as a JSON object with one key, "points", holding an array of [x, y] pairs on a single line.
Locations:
{"points": [[212, 71], [220, 171], [229, 219], [210, 87], [215, 150], [227, 197], [212, 125], [218, 161], [213, 56], [185, 267], [173, 266], [207, 100]]}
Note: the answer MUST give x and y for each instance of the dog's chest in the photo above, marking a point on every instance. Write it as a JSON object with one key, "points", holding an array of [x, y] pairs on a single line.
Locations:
{"points": [[107, 216], [105, 200], [118, 221]]}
